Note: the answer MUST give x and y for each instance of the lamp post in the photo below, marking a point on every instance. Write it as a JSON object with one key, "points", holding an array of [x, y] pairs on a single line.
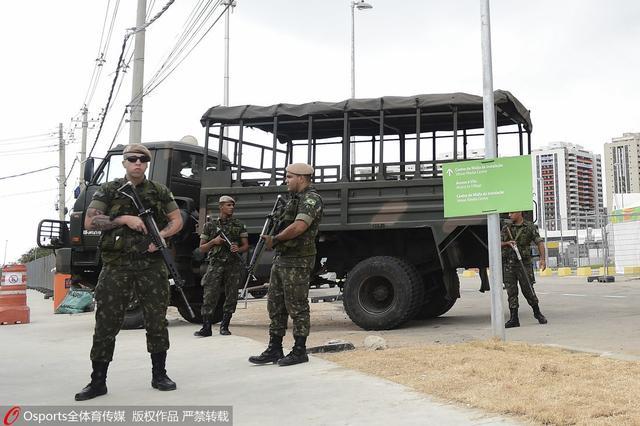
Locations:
{"points": [[544, 218], [360, 5]]}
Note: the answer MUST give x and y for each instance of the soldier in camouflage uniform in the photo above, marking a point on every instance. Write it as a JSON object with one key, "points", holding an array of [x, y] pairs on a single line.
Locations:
{"points": [[130, 265], [520, 233], [225, 265], [293, 263]]}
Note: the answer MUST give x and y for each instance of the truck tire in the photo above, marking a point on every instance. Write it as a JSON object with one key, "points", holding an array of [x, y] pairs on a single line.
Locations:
{"points": [[436, 301], [184, 312], [382, 292], [133, 318], [258, 293], [435, 307]]}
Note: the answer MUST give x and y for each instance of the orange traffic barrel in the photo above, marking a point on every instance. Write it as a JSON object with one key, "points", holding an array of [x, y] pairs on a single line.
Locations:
{"points": [[13, 295], [61, 285]]}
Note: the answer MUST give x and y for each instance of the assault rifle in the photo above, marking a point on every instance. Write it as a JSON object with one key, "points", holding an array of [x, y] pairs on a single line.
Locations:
{"points": [[155, 237], [517, 251], [271, 224]]}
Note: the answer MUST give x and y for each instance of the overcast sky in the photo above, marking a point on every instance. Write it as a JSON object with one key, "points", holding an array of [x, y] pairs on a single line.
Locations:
{"points": [[574, 64]]}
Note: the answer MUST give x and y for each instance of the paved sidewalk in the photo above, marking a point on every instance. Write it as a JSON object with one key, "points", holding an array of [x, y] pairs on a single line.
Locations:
{"points": [[46, 363]]}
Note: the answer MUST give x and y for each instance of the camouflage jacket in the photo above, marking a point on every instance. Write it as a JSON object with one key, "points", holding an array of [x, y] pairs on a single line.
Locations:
{"points": [[524, 235], [306, 206], [232, 228], [123, 246]]}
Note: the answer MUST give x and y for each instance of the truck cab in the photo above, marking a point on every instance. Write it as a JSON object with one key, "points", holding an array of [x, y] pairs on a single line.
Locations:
{"points": [[177, 165]]}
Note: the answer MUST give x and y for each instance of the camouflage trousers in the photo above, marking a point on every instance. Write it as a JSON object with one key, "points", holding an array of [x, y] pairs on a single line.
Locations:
{"points": [[113, 293], [288, 296], [220, 276], [512, 273]]}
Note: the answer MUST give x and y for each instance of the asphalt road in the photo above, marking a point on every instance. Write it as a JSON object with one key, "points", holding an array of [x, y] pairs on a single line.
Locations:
{"points": [[594, 317]]}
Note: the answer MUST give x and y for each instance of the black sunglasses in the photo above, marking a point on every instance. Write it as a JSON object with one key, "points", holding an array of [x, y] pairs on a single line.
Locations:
{"points": [[133, 159]]}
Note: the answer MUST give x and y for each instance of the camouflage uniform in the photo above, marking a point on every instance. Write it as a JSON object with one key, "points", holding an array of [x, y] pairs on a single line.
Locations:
{"points": [[225, 268], [512, 273], [292, 266], [128, 269]]}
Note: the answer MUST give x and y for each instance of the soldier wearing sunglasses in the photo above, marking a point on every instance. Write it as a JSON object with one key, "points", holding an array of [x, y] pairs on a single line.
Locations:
{"points": [[130, 266]]}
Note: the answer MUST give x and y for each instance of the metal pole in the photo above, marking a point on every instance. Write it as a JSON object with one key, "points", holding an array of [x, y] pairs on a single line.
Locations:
{"points": [[4, 261], [353, 51], [135, 124], [353, 73], [493, 220], [83, 145], [61, 171], [229, 4]]}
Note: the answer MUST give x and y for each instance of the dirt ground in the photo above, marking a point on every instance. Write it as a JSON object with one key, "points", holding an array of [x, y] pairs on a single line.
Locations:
{"points": [[535, 383]]}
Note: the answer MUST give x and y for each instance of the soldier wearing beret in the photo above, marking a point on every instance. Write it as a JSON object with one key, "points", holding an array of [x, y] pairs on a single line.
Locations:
{"points": [[130, 266], [293, 263], [520, 233], [225, 265]]}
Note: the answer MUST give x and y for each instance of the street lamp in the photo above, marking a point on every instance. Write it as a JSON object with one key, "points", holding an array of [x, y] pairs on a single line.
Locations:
{"points": [[360, 5]]}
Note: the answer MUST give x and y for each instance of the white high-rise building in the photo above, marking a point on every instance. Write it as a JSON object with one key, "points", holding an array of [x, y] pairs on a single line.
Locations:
{"points": [[567, 181], [621, 161]]}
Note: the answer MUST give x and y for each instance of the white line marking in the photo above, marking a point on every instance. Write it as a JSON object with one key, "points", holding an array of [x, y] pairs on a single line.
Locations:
{"points": [[616, 297], [573, 294]]}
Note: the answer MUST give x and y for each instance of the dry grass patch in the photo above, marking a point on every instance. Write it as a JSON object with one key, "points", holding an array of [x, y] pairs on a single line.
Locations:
{"points": [[542, 384]]}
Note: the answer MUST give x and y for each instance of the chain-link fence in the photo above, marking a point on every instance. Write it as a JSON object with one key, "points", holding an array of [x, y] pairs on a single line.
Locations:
{"points": [[612, 240]]}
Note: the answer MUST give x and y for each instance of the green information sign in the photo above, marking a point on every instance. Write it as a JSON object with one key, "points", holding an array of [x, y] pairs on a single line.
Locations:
{"points": [[480, 187]]}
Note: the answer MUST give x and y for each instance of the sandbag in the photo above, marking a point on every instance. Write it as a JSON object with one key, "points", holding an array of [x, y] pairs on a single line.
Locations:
{"points": [[76, 302]]}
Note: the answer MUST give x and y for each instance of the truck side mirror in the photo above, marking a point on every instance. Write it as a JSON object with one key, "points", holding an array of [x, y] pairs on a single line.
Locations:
{"points": [[88, 169]]}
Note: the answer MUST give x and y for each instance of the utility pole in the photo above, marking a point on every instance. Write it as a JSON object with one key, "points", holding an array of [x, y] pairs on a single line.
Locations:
{"points": [[493, 219], [227, 15], [135, 122], [83, 146], [61, 171]]}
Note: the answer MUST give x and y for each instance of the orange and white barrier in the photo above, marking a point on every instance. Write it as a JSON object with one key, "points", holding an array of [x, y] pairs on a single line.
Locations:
{"points": [[13, 295]]}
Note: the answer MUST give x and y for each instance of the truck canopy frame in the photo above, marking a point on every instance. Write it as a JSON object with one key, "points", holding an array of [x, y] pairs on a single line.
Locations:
{"points": [[385, 119]]}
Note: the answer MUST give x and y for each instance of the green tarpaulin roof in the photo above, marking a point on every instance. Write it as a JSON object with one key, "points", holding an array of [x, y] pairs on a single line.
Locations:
{"points": [[510, 111]]}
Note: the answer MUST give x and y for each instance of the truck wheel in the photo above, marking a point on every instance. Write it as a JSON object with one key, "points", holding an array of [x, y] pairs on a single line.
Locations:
{"points": [[184, 312], [259, 293], [382, 292], [437, 306], [133, 318], [436, 301]]}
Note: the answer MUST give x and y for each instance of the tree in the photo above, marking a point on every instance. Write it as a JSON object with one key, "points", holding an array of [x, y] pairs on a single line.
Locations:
{"points": [[33, 254]]}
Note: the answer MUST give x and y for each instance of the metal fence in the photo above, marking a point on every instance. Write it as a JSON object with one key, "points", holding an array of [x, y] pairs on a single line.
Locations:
{"points": [[40, 274], [613, 240]]}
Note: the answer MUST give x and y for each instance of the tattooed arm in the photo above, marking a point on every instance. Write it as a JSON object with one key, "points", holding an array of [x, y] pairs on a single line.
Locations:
{"points": [[174, 226], [96, 220]]}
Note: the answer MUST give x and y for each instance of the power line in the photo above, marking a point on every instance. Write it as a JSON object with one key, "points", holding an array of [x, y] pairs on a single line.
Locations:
{"points": [[119, 66], [15, 194], [28, 173]]}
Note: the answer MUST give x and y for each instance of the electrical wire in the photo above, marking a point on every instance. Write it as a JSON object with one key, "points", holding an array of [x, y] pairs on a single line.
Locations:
{"points": [[28, 173], [16, 194]]}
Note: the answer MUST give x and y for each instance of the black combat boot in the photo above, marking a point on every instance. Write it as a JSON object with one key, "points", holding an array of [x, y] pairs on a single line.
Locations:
{"points": [[98, 385], [298, 354], [272, 354], [224, 324], [159, 379], [513, 321], [205, 331], [538, 315]]}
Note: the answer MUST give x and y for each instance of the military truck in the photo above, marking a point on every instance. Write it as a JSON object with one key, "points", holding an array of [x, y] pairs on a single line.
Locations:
{"points": [[378, 166], [175, 164]]}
